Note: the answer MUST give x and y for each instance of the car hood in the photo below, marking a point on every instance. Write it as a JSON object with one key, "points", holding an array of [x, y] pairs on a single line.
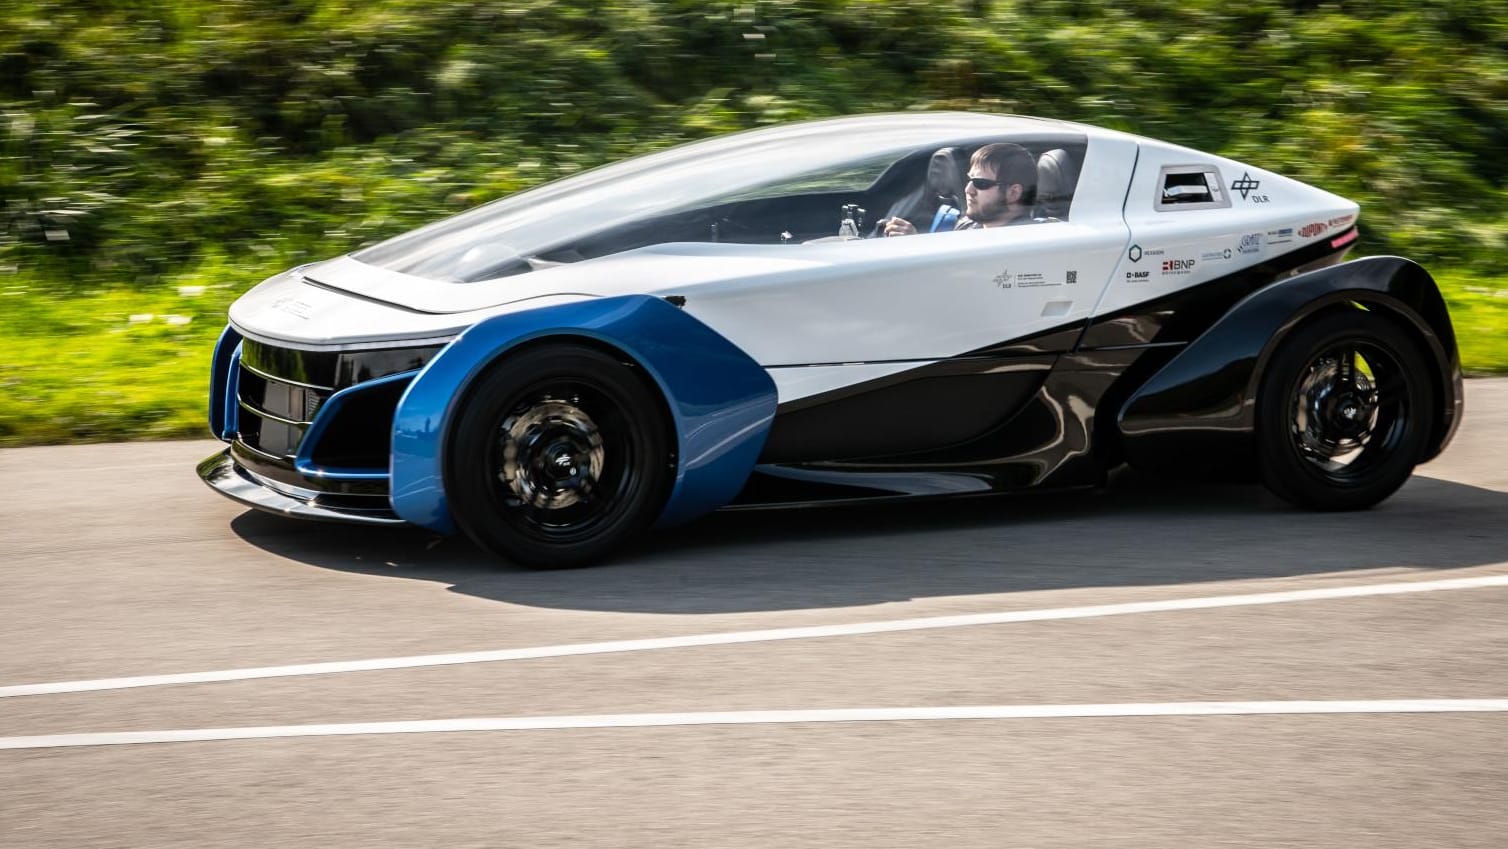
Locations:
{"points": [[660, 269]]}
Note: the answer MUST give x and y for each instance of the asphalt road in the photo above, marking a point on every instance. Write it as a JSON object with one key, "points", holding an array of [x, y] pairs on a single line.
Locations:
{"points": [[1147, 603]]}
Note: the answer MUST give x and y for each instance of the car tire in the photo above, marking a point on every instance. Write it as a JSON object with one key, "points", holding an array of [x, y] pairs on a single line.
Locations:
{"points": [[560, 453], [1343, 412]]}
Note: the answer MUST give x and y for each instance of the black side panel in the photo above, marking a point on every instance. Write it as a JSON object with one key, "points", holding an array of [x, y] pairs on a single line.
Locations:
{"points": [[1020, 413], [1051, 440], [1202, 403], [925, 409]]}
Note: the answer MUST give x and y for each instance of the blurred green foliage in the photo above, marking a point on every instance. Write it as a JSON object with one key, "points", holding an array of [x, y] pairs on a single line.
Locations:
{"points": [[150, 147]]}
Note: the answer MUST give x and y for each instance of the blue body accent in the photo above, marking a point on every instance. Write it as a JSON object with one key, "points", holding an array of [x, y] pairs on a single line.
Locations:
{"points": [[304, 460], [223, 415], [722, 402], [945, 219]]}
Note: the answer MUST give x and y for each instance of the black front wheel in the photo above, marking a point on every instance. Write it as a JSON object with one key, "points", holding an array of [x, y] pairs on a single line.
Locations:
{"points": [[1343, 412], [559, 454]]}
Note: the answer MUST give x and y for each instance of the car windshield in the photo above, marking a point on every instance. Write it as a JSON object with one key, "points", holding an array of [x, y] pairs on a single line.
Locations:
{"points": [[741, 187]]}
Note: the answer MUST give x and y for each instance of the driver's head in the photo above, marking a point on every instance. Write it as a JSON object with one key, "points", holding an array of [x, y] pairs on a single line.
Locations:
{"points": [[1002, 184]]}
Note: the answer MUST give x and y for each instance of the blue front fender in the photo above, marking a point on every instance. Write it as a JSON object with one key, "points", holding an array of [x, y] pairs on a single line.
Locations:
{"points": [[721, 401]]}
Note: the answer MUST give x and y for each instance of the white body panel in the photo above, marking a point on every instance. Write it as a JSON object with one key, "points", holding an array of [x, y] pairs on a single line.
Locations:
{"points": [[1214, 242], [931, 296], [828, 314], [288, 311]]}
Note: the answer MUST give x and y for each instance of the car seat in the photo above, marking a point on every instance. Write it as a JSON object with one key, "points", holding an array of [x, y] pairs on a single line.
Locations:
{"points": [[946, 173], [1057, 174], [936, 199]]}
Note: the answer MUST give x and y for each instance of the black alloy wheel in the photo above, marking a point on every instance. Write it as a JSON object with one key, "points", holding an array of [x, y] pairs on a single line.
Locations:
{"points": [[560, 453], [1343, 412]]}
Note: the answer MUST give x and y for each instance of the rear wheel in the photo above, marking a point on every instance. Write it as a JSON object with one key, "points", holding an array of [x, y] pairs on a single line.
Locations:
{"points": [[560, 454], [1343, 412]]}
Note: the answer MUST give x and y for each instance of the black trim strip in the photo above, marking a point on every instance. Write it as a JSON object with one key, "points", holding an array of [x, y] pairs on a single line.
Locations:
{"points": [[310, 281]]}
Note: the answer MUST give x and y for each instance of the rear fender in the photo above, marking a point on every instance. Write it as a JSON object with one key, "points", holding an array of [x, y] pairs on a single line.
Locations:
{"points": [[1198, 412], [720, 401]]}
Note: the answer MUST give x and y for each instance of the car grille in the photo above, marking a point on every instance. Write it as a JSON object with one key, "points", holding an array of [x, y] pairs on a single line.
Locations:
{"points": [[275, 412], [280, 390]]}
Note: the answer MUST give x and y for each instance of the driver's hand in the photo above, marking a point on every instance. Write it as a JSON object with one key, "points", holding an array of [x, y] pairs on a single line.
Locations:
{"points": [[899, 227]]}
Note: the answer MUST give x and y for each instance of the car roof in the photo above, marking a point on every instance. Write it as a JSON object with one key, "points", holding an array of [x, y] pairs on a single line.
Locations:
{"points": [[901, 129]]}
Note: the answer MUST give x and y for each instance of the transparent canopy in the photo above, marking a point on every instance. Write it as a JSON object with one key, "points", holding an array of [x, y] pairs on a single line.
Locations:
{"points": [[766, 186]]}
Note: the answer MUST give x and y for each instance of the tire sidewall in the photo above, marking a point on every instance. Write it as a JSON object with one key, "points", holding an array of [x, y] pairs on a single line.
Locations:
{"points": [[1290, 475], [476, 501]]}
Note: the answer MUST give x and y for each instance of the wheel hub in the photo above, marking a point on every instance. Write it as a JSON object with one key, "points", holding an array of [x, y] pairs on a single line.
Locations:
{"points": [[1335, 408], [552, 454], [1347, 411]]}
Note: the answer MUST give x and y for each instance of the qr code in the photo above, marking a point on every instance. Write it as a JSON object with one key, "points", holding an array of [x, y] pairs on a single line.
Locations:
{"points": [[1073, 277]]}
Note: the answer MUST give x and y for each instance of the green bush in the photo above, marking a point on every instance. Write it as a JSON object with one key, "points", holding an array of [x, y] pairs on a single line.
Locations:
{"points": [[155, 144]]}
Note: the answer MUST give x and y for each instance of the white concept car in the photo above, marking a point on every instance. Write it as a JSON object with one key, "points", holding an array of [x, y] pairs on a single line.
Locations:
{"points": [[726, 324]]}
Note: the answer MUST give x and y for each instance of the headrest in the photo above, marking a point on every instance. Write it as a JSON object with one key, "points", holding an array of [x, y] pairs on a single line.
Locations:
{"points": [[1057, 174], [945, 175]]}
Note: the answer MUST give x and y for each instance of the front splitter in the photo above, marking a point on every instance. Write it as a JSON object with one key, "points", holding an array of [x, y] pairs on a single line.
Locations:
{"points": [[223, 475]]}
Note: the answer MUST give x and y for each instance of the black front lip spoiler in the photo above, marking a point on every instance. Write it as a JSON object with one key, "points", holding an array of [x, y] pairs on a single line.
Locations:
{"points": [[223, 475]]}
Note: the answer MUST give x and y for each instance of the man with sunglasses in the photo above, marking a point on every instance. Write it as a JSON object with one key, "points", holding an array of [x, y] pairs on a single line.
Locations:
{"points": [[1000, 191]]}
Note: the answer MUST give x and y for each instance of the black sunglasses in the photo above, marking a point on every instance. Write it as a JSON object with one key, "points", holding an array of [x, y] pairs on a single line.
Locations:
{"points": [[982, 184]]}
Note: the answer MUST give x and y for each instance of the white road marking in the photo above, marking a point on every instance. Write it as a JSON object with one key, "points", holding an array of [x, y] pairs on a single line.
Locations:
{"points": [[760, 717], [734, 637]]}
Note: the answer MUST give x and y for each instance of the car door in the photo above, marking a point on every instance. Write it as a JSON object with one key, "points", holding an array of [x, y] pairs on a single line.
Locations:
{"points": [[913, 342]]}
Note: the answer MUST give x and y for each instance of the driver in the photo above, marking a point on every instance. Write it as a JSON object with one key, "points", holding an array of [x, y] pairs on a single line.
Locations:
{"points": [[1000, 191]]}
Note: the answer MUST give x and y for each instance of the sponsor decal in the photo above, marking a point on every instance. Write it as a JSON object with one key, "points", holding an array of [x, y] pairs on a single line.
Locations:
{"points": [[1034, 278], [1138, 276], [1280, 237], [1135, 253], [1177, 266], [1215, 256], [1250, 243], [1248, 188], [1313, 229], [1340, 221], [1004, 278], [1073, 277]]}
